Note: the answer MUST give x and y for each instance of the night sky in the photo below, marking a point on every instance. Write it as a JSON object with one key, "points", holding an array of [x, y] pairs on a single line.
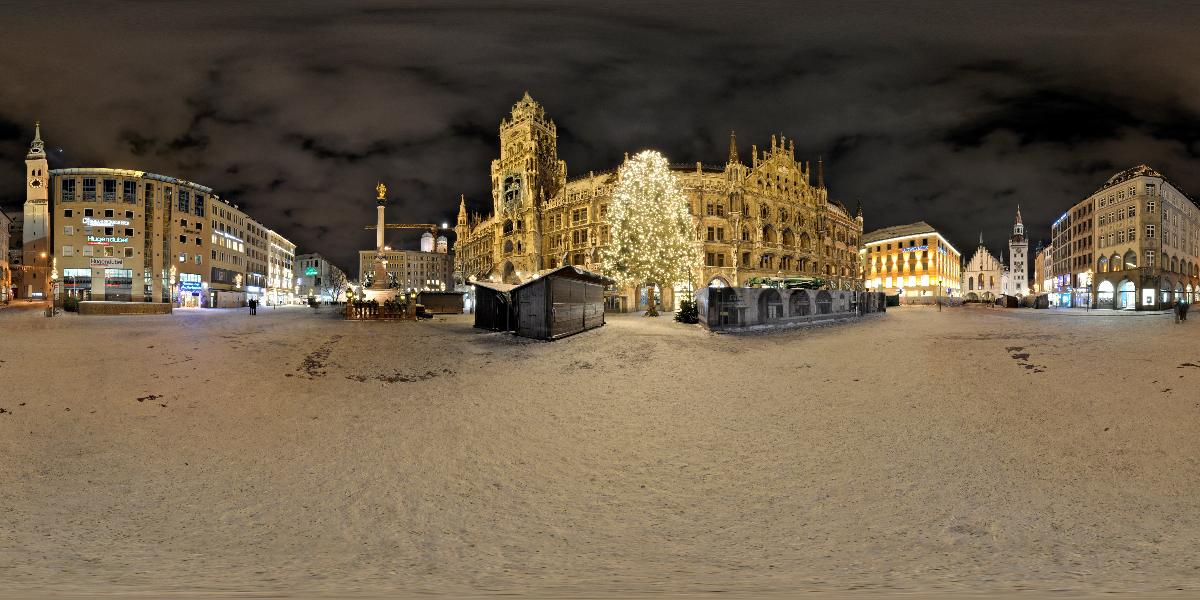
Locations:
{"points": [[948, 112]]}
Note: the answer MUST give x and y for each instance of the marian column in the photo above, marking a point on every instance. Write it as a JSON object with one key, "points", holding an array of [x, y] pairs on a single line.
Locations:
{"points": [[380, 278], [381, 198]]}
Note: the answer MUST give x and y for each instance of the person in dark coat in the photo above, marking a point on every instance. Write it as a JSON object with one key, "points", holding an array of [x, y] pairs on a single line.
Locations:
{"points": [[253, 306]]}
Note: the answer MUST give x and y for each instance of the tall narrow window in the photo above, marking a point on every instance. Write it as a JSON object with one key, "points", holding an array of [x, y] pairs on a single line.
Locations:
{"points": [[68, 190]]}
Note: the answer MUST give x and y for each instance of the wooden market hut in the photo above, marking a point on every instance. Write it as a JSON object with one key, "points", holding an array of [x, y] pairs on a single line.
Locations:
{"points": [[493, 306], [441, 303], [558, 303]]}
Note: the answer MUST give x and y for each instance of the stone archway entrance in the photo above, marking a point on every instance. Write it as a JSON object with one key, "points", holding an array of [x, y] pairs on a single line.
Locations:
{"points": [[1126, 298], [1104, 295]]}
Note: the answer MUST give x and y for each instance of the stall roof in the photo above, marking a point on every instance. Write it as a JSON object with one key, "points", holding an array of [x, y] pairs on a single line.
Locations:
{"points": [[499, 287], [570, 272]]}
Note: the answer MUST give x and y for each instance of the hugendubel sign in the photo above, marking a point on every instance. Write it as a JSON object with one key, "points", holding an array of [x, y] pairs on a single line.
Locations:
{"points": [[106, 262]]}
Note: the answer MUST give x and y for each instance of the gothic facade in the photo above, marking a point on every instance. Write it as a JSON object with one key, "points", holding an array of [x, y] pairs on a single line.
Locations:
{"points": [[762, 219], [983, 277]]}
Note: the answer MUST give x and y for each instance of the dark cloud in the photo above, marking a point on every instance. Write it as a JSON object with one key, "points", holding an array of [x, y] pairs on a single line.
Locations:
{"points": [[949, 112]]}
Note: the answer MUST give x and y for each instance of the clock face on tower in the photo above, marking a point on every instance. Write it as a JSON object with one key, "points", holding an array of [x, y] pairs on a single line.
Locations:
{"points": [[35, 183]]}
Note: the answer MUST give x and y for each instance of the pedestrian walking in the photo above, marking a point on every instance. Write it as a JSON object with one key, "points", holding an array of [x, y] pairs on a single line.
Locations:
{"points": [[253, 306], [1178, 310], [1183, 310]]}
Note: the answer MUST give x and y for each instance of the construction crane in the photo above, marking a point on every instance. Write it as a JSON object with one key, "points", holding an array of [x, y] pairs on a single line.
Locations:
{"points": [[430, 226]]}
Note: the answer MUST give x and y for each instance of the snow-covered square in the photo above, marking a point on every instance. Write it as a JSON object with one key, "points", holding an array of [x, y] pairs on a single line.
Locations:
{"points": [[210, 450]]}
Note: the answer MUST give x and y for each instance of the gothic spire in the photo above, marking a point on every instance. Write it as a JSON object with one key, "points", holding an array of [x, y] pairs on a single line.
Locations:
{"points": [[1018, 214], [37, 149], [980, 237], [820, 173], [733, 155], [858, 211]]}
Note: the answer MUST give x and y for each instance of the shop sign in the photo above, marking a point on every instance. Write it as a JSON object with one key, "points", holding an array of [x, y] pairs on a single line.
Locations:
{"points": [[914, 248], [103, 222], [106, 262], [104, 240], [190, 286], [311, 271]]}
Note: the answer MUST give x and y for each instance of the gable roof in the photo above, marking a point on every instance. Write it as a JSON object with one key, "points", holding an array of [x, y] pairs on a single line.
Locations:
{"points": [[570, 272]]}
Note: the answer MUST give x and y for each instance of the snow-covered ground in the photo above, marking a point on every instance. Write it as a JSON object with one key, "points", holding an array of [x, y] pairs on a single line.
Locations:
{"points": [[972, 448]]}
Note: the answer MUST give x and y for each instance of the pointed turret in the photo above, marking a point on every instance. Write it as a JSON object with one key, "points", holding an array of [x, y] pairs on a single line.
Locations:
{"points": [[1018, 228], [858, 211], [733, 155], [37, 149], [462, 209], [820, 173], [981, 237]]}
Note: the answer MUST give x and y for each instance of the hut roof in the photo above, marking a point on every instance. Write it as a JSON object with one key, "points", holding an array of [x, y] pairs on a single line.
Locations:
{"points": [[570, 272], [499, 287]]}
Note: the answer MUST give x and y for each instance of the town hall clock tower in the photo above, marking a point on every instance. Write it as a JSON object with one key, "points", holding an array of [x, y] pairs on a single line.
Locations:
{"points": [[527, 175]]}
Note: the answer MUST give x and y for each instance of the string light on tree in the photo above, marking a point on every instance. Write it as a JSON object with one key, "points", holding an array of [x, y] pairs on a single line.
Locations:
{"points": [[651, 232]]}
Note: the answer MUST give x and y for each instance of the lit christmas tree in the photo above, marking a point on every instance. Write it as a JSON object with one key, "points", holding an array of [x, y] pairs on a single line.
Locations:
{"points": [[651, 240]]}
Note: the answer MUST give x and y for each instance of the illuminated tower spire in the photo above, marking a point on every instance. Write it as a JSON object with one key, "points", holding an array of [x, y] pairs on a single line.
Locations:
{"points": [[37, 149], [820, 173], [733, 155]]}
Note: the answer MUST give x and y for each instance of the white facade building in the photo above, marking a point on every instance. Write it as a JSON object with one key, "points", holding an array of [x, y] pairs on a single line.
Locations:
{"points": [[320, 278], [1016, 278]]}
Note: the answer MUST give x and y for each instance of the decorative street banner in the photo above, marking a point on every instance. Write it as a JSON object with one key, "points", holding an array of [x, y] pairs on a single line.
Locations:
{"points": [[106, 262]]}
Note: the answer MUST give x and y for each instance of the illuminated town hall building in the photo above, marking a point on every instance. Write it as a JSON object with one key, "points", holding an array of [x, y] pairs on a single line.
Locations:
{"points": [[765, 219]]}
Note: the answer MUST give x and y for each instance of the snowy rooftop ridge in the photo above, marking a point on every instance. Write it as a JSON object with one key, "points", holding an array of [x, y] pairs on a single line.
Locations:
{"points": [[896, 231]]}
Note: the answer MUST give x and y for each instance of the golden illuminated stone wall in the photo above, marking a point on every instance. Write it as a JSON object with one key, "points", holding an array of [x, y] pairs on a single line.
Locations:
{"points": [[767, 218]]}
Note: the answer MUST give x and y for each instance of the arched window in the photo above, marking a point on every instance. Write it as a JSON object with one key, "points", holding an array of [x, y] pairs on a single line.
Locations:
{"points": [[768, 235], [745, 234], [508, 226], [1174, 264], [789, 238], [764, 212], [805, 242], [508, 246], [824, 302], [770, 305], [981, 281], [1102, 264], [799, 304], [1114, 262]]}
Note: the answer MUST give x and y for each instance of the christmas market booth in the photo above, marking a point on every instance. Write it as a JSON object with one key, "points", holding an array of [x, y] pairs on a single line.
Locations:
{"points": [[493, 306], [558, 303], [441, 303]]}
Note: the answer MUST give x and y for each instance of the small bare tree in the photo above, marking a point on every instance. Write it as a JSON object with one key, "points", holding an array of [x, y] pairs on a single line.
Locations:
{"points": [[334, 286]]}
